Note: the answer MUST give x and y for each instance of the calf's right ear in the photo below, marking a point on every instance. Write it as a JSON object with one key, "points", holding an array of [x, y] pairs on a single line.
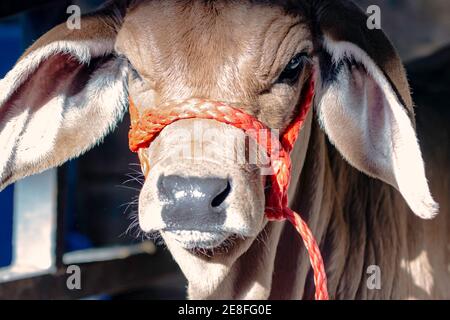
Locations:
{"points": [[64, 94]]}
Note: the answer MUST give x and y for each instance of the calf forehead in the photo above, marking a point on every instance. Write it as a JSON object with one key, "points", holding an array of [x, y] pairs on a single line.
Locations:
{"points": [[204, 48]]}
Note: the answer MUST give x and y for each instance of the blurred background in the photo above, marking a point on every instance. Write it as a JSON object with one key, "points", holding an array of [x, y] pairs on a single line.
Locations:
{"points": [[88, 200]]}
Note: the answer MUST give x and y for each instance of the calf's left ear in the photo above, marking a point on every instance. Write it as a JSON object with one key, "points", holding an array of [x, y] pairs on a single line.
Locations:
{"points": [[364, 103]]}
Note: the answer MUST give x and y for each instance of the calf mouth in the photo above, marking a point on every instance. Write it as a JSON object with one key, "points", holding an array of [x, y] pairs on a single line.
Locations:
{"points": [[204, 243]]}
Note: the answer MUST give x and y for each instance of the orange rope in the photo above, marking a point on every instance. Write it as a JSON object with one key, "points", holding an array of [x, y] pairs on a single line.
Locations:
{"points": [[145, 128]]}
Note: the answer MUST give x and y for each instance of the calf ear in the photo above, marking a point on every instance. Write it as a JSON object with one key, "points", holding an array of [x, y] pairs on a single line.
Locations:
{"points": [[364, 103], [63, 95]]}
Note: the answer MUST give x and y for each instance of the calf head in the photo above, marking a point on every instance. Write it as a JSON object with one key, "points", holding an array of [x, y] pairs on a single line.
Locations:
{"points": [[71, 87]]}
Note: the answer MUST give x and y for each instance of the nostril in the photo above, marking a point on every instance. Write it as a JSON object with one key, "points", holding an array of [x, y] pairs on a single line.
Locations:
{"points": [[220, 198]]}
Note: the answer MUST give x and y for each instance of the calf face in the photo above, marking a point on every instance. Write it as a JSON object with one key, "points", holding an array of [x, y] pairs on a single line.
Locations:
{"points": [[199, 192], [71, 87]]}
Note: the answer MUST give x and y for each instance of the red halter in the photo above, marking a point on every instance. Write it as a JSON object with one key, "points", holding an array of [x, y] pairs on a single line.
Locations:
{"points": [[145, 128]]}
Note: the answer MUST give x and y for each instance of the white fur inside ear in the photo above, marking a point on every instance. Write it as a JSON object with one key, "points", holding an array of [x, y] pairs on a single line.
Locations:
{"points": [[365, 120], [79, 50], [47, 121]]}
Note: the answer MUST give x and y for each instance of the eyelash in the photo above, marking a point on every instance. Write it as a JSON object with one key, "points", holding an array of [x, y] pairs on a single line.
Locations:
{"points": [[135, 73], [290, 76]]}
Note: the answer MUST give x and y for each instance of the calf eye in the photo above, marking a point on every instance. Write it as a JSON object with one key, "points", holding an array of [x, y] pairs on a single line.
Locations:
{"points": [[292, 70], [134, 73]]}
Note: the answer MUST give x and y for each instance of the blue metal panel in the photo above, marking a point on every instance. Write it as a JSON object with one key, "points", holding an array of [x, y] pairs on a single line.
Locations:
{"points": [[6, 217], [11, 48]]}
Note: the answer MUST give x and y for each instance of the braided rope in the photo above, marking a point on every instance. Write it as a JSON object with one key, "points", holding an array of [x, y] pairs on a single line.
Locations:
{"points": [[145, 128], [315, 258]]}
